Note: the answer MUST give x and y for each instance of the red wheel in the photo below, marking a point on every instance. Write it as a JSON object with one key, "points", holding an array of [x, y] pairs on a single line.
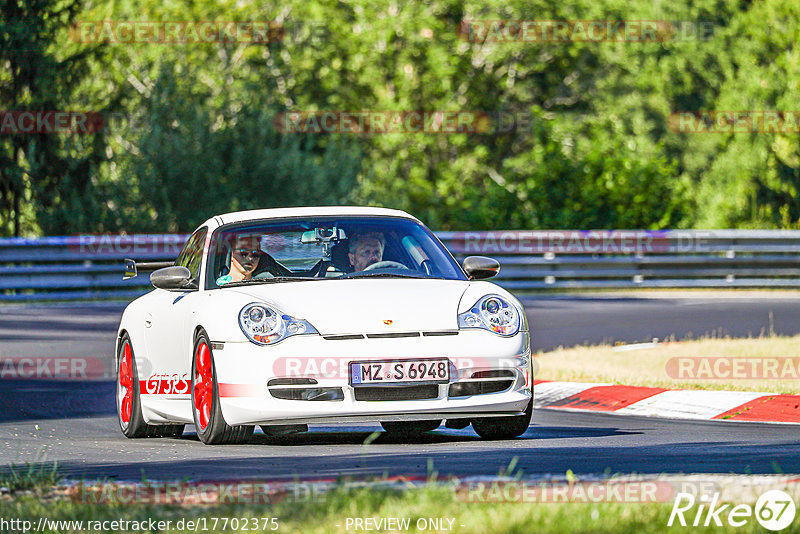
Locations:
{"points": [[125, 385], [208, 420], [203, 384], [129, 407]]}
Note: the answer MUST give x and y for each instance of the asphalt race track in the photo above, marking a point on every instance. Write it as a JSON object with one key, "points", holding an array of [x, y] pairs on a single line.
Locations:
{"points": [[73, 422], [557, 441]]}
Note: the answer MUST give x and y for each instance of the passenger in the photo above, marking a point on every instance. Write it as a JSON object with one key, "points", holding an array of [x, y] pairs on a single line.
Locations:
{"points": [[366, 249], [244, 259]]}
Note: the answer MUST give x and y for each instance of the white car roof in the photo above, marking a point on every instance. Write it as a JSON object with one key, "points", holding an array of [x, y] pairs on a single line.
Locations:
{"points": [[309, 211]]}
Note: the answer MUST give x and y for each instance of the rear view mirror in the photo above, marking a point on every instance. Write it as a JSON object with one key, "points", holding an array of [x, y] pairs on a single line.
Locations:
{"points": [[481, 267], [321, 235]]}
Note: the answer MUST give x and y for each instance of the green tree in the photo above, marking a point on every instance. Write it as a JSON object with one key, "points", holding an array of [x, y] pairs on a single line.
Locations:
{"points": [[753, 179], [194, 159], [44, 178]]}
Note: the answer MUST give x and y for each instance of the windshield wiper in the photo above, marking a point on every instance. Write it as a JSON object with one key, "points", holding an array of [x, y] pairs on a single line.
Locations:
{"points": [[369, 274], [265, 281]]}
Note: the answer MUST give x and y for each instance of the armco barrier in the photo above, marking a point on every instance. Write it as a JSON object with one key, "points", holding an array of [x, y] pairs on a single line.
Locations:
{"points": [[79, 267], [534, 260], [91, 266]]}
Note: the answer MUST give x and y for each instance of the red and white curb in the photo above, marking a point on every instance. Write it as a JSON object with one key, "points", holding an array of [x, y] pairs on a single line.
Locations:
{"points": [[660, 402]]}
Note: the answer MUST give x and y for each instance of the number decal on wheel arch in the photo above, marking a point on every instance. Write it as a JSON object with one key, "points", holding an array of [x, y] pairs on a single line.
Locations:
{"points": [[165, 384]]}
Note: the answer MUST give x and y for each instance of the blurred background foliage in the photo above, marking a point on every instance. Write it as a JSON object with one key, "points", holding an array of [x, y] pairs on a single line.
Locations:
{"points": [[198, 136]]}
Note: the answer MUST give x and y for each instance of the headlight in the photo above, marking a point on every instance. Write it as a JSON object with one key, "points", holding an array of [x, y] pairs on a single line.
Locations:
{"points": [[492, 313], [265, 325]]}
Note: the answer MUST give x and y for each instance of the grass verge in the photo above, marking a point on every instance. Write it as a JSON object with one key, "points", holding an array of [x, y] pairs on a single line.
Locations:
{"points": [[330, 513], [32, 477], [660, 365]]}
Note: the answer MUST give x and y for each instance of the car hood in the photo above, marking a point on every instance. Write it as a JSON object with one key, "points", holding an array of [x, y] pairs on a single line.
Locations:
{"points": [[366, 306]]}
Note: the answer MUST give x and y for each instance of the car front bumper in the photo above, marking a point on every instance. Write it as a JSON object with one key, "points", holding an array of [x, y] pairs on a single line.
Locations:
{"points": [[502, 386]]}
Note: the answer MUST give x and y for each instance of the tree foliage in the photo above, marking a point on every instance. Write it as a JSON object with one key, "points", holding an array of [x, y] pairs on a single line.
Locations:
{"points": [[592, 145], [40, 172]]}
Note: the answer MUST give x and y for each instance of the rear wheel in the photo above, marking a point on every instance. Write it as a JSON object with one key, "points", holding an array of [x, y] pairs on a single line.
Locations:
{"points": [[129, 407], [503, 427], [211, 426], [410, 428]]}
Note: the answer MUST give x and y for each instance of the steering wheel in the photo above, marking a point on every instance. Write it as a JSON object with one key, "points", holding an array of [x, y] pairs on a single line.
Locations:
{"points": [[385, 265]]}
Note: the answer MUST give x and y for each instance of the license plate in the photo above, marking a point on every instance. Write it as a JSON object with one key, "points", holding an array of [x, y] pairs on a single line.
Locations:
{"points": [[435, 370]]}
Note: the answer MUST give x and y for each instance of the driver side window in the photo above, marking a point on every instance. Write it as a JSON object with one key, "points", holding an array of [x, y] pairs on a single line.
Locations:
{"points": [[191, 256]]}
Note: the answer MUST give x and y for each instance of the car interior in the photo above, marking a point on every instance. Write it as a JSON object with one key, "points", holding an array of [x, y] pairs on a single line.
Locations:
{"points": [[328, 258]]}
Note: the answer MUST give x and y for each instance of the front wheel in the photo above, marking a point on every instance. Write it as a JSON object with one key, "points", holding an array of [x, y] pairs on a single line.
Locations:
{"points": [[503, 427], [211, 426]]}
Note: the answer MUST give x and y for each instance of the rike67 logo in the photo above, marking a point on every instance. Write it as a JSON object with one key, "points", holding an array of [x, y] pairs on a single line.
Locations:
{"points": [[774, 510]]}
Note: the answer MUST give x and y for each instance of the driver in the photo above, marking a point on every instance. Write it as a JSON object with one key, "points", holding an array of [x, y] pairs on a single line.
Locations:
{"points": [[244, 259], [366, 249]]}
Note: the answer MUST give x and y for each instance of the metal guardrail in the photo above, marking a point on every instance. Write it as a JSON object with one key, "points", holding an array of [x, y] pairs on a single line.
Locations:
{"points": [[79, 267], [88, 267], [534, 260]]}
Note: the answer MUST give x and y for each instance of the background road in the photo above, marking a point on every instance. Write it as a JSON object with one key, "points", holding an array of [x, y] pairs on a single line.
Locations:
{"points": [[88, 330], [77, 426]]}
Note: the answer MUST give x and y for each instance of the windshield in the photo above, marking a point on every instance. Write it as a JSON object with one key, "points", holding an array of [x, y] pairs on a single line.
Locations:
{"points": [[326, 248]]}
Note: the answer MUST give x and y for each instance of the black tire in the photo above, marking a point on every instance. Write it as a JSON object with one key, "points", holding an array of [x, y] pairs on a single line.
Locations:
{"points": [[136, 427], [503, 427], [410, 428], [216, 430]]}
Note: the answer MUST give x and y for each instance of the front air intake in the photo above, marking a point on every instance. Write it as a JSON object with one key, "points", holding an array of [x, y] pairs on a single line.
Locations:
{"points": [[396, 393], [479, 387], [308, 394]]}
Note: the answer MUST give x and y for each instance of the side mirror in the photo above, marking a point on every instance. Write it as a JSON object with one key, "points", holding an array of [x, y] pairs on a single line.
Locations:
{"points": [[176, 277], [481, 267]]}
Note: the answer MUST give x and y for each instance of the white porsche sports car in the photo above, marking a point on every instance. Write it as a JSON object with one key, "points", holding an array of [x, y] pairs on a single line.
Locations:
{"points": [[285, 317]]}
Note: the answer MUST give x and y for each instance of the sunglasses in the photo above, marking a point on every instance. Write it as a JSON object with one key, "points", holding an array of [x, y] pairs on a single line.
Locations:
{"points": [[250, 253]]}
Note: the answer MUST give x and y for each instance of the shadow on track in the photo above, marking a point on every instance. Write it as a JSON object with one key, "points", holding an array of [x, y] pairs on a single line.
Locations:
{"points": [[689, 457], [23, 400]]}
